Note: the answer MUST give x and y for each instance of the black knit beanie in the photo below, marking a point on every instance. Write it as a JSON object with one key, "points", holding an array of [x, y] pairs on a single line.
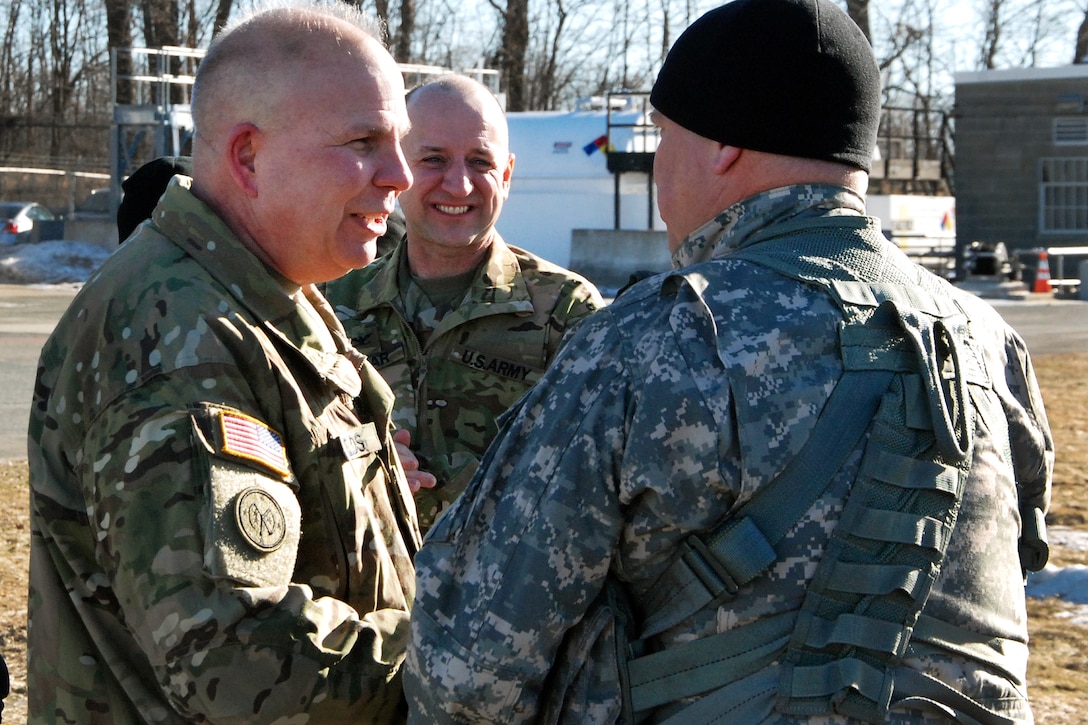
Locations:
{"points": [[791, 77], [143, 189]]}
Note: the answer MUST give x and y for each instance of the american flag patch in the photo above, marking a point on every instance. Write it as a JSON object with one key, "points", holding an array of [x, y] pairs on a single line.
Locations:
{"points": [[250, 439]]}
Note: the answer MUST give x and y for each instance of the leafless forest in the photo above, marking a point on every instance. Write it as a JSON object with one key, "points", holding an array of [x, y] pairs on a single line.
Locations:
{"points": [[56, 94]]}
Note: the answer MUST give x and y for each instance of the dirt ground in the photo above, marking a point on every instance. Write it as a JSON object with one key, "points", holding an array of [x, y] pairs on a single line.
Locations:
{"points": [[1058, 669]]}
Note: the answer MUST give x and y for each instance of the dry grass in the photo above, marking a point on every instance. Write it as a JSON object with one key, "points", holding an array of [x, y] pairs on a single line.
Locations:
{"points": [[15, 535], [1064, 382], [1058, 670]]}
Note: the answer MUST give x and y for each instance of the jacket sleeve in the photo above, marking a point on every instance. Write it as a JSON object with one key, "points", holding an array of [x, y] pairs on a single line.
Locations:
{"points": [[577, 300], [205, 584], [517, 561], [1029, 430]]}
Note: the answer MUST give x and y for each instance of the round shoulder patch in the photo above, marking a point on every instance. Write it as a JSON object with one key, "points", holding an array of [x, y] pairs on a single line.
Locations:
{"points": [[260, 519]]}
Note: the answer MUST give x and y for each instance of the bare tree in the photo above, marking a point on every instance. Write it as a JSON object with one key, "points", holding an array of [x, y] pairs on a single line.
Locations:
{"points": [[54, 55], [544, 84], [623, 9], [566, 57], [222, 13], [9, 65], [993, 25], [160, 23], [858, 10], [401, 38], [402, 51], [119, 35], [1080, 53], [511, 56], [666, 31], [192, 29], [1021, 33], [1037, 34]]}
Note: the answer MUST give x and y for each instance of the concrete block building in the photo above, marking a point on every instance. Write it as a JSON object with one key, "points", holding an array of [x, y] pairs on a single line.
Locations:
{"points": [[1021, 170]]}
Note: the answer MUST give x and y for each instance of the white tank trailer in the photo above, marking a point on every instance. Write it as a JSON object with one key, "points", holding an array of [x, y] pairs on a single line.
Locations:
{"points": [[568, 205]]}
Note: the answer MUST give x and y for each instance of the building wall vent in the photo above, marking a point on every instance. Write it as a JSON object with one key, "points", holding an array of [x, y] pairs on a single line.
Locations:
{"points": [[1070, 131]]}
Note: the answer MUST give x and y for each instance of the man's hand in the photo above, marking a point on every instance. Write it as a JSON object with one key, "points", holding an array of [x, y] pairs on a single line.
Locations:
{"points": [[417, 477]]}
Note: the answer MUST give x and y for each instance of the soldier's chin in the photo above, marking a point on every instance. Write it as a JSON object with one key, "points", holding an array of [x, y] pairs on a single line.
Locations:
{"points": [[370, 249], [363, 252]]}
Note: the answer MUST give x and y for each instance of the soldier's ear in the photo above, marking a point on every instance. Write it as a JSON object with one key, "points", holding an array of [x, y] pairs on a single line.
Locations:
{"points": [[725, 158], [507, 174], [242, 145]]}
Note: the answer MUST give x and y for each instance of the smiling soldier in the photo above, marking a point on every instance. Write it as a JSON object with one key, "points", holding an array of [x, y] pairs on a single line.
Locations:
{"points": [[458, 322]]}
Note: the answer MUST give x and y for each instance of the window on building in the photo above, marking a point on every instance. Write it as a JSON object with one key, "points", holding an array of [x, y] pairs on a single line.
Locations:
{"points": [[1071, 131], [1064, 195]]}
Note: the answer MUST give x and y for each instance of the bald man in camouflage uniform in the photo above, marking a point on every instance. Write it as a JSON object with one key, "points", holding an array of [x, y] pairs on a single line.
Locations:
{"points": [[459, 323], [624, 553], [221, 530]]}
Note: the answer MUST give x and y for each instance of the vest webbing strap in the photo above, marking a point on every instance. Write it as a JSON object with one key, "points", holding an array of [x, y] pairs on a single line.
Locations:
{"points": [[704, 664], [933, 635], [714, 569], [919, 689], [748, 700]]}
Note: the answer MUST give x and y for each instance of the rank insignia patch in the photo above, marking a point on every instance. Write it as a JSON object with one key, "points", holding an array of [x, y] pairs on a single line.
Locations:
{"points": [[249, 439]]}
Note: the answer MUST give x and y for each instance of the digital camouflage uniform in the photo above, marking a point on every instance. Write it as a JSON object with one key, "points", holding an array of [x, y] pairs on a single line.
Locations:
{"points": [[216, 536], [479, 357], [666, 411]]}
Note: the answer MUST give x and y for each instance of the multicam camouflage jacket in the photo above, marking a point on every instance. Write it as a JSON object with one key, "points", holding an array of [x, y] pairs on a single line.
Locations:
{"points": [[216, 534], [479, 358], [662, 414]]}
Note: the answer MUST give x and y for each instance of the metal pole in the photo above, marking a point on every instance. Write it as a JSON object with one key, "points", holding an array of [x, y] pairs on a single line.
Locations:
{"points": [[616, 198]]}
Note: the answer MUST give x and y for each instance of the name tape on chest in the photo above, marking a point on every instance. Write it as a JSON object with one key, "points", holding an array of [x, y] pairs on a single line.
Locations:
{"points": [[495, 365], [251, 440], [386, 356], [361, 441]]}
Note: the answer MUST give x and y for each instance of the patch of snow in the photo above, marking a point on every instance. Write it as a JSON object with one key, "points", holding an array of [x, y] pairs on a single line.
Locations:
{"points": [[1067, 538], [1069, 583], [54, 262]]}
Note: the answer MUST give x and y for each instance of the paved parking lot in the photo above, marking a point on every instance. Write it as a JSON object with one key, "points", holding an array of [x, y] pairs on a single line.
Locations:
{"points": [[29, 312], [27, 316]]}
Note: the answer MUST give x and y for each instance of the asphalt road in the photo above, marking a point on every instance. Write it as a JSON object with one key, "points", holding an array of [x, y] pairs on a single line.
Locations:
{"points": [[28, 314]]}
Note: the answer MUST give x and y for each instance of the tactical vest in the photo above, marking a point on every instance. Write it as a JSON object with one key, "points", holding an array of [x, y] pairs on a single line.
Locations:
{"points": [[908, 358]]}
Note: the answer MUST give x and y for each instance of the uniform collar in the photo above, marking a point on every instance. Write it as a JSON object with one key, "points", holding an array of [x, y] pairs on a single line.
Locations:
{"points": [[498, 281], [298, 316], [731, 228]]}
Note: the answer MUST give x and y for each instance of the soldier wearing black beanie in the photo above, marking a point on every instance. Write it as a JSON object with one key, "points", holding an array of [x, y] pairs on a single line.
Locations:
{"points": [[783, 482], [790, 77]]}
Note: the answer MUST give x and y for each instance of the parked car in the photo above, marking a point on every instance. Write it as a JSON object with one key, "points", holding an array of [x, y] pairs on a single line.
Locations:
{"points": [[95, 206], [20, 221]]}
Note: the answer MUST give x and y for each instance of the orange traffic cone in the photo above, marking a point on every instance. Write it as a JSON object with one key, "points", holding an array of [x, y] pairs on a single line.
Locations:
{"points": [[1042, 276]]}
